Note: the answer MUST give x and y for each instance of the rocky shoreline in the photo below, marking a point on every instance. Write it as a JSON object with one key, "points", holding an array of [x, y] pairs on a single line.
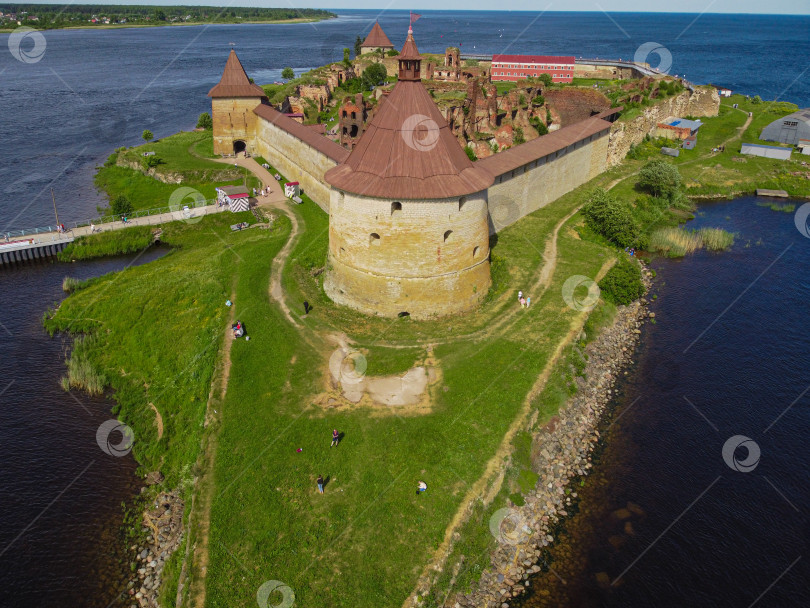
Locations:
{"points": [[562, 451], [163, 524]]}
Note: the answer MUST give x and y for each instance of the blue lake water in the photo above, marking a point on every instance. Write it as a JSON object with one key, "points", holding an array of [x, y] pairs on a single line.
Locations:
{"points": [[727, 356], [95, 90]]}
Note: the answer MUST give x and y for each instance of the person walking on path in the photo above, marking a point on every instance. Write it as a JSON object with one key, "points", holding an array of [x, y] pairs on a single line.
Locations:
{"points": [[335, 438], [319, 481]]}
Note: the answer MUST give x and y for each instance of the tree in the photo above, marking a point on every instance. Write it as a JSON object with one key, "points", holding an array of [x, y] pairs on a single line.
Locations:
{"points": [[287, 74], [358, 46], [205, 122], [545, 79], [121, 205], [347, 52], [757, 99], [160, 15], [660, 178], [519, 137], [374, 74], [147, 136], [613, 219]]}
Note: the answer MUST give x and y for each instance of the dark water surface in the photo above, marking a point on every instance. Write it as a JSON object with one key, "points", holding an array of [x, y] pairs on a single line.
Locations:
{"points": [[60, 494], [95, 90], [709, 535]]}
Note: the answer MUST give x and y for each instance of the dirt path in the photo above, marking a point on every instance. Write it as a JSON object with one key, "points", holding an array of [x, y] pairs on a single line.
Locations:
{"points": [[274, 200], [488, 485], [195, 564]]}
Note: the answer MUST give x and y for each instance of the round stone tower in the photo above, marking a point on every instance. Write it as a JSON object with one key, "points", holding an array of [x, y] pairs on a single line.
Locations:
{"points": [[408, 229]]}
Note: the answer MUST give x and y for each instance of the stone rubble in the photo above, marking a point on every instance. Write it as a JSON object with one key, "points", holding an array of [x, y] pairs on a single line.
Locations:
{"points": [[564, 455], [163, 522]]}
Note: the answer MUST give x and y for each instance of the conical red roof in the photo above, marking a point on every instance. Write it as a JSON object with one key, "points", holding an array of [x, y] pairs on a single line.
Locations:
{"points": [[235, 82], [409, 50], [376, 38], [408, 152]]}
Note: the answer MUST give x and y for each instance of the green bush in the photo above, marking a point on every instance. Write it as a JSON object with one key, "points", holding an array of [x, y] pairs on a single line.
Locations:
{"points": [[519, 138], [121, 205], [622, 283], [470, 153], [660, 178], [613, 219], [287, 74], [205, 121]]}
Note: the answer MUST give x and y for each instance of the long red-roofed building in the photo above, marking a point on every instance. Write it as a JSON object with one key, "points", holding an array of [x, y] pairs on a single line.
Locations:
{"points": [[511, 68]]}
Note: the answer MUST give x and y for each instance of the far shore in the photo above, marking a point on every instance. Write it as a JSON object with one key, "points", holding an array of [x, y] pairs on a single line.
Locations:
{"points": [[118, 26]]}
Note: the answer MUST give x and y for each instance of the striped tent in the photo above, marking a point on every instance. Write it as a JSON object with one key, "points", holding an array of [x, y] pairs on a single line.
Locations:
{"points": [[236, 197]]}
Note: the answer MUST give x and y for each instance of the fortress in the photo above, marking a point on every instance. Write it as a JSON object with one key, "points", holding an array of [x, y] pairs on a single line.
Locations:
{"points": [[410, 215]]}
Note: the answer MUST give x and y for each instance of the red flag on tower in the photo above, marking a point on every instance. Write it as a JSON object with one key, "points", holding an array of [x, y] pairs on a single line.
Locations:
{"points": [[414, 17]]}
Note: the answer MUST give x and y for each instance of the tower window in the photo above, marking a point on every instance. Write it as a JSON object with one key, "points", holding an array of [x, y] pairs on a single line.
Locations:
{"points": [[447, 235], [461, 202], [396, 208], [374, 239], [475, 252]]}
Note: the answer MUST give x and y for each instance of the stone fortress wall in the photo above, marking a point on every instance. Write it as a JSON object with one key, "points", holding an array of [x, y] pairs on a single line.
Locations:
{"points": [[536, 184], [296, 159], [383, 254]]}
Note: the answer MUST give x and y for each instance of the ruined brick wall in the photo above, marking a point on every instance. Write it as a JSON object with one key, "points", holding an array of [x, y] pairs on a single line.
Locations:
{"points": [[533, 186], [574, 105], [414, 266], [703, 102], [320, 94], [233, 119]]}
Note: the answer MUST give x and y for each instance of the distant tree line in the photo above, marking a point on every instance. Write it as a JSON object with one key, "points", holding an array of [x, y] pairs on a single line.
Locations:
{"points": [[43, 16]]}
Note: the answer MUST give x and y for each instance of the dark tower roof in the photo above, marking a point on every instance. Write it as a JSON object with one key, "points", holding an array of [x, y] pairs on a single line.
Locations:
{"points": [[377, 39], [409, 50], [235, 82], [408, 150]]}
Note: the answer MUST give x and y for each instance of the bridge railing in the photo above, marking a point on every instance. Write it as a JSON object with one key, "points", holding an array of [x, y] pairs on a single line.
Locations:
{"points": [[105, 219]]}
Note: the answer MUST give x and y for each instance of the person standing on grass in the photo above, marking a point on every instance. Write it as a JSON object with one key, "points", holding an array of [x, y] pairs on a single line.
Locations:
{"points": [[319, 481], [335, 438]]}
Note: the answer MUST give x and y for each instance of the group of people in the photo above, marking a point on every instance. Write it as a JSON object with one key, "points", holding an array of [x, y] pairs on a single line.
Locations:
{"points": [[630, 250], [264, 191], [60, 228], [335, 440], [321, 482], [524, 301]]}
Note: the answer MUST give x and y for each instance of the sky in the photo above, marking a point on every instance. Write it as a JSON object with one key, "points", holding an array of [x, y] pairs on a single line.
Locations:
{"points": [[784, 7]]}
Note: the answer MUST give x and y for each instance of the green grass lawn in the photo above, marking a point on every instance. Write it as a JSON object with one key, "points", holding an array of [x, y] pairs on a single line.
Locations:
{"points": [[157, 329], [174, 152], [365, 541], [729, 173], [185, 155]]}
